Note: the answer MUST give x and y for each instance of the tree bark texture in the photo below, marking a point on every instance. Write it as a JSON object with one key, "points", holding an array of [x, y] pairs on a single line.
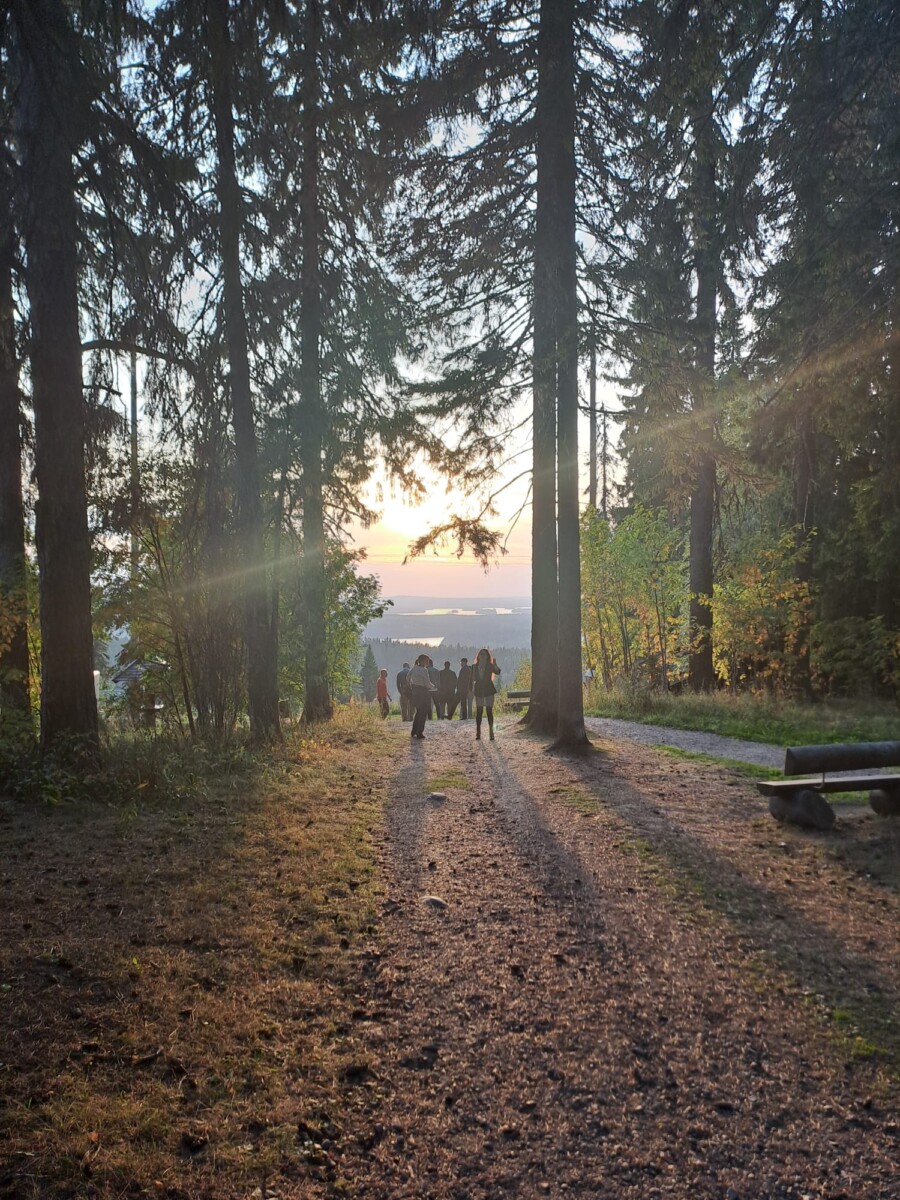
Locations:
{"points": [[317, 700], [134, 468], [809, 195], [14, 672], [558, 126], [887, 592], [543, 708], [48, 102], [701, 675], [262, 649], [592, 408]]}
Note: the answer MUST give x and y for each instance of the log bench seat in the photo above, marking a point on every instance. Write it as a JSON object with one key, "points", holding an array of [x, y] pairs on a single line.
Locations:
{"points": [[798, 798]]}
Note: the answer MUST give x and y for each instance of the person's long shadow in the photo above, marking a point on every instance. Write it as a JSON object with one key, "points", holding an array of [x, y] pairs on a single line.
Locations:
{"points": [[834, 971], [408, 811], [559, 873]]}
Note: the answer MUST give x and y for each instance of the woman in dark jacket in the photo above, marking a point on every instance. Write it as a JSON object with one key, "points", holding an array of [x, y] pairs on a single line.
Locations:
{"points": [[483, 673]]}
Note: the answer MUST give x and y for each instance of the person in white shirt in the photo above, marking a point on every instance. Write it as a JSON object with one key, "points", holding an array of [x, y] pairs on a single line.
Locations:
{"points": [[420, 684]]}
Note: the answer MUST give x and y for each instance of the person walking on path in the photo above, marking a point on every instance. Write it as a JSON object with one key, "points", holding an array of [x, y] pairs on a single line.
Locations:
{"points": [[447, 692], [382, 695], [483, 674], [464, 690], [406, 704], [422, 688]]}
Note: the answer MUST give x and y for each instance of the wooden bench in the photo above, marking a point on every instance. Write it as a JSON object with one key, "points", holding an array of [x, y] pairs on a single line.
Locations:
{"points": [[518, 699], [799, 799]]}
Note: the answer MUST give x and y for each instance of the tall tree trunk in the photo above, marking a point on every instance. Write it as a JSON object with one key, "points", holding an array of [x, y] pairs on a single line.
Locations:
{"points": [[262, 650], [558, 26], [543, 708], [317, 700], [604, 466], [887, 585], [806, 434], [701, 674], [135, 472], [592, 407], [14, 674], [46, 101]]}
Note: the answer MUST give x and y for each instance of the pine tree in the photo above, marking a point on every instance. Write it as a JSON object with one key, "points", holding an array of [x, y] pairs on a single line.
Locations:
{"points": [[498, 236], [317, 697], [262, 657], [52, 98], [556, 173], [368, 674], [14, 667], [825, 306], [697, 63]]}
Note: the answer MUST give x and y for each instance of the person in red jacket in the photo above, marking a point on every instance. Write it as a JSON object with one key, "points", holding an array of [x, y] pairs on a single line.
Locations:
{"points": [[382, 695]]}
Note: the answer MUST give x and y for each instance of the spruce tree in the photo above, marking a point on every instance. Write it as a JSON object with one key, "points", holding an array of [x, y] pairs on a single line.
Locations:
{"points": [[556, 124], [15, 704], [262, 654], [368, 674], [52, 108]]}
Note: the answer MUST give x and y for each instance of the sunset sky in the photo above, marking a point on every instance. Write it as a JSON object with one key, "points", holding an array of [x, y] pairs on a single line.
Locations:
{"points": [[445, 575], [387, 542]]}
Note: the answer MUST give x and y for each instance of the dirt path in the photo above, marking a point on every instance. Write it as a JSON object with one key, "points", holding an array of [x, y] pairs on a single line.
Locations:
{"points": [[615, 977]]}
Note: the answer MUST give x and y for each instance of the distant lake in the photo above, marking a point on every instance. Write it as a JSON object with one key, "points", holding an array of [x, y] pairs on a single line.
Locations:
{"points": [[429, 620]]}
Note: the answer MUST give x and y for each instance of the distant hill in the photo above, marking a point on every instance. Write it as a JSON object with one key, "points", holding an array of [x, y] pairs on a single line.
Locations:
{"points": [[393, 655], [499, 622]]}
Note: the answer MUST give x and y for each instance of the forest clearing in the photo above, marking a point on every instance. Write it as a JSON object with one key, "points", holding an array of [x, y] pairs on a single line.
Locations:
{"points": [[610, 975]]}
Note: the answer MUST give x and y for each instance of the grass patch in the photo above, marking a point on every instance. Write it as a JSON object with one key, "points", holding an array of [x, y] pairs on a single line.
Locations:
{"points": [[751, 770], [575, 797], [755, 718], [176, 993], [452, 777], [754, 771]]}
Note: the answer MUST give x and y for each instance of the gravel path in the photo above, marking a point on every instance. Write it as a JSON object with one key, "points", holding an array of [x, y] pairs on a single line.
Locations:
{"points": [[758, 753], [572, 994]]}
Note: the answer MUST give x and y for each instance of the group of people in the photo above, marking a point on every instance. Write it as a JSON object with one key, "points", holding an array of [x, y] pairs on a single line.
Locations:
{"points": [[424, 690]]}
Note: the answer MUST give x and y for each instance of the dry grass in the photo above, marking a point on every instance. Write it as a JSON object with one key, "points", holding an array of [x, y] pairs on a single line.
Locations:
{"points": [[173, 1011]]}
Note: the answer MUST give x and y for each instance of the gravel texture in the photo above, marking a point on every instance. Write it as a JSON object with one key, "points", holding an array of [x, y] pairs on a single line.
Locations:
{"points": [[625, 989], [760, 754]]}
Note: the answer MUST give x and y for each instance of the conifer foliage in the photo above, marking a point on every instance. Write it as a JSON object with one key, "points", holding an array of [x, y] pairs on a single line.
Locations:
{"points": [[332, 236]]}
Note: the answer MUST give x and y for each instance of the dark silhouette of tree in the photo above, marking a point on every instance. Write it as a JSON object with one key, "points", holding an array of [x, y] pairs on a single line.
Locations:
{"points": [[52, 101], [556, 264], [317, 703], [262, 652], [14, 667], [701, 674], [368, 674]]}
